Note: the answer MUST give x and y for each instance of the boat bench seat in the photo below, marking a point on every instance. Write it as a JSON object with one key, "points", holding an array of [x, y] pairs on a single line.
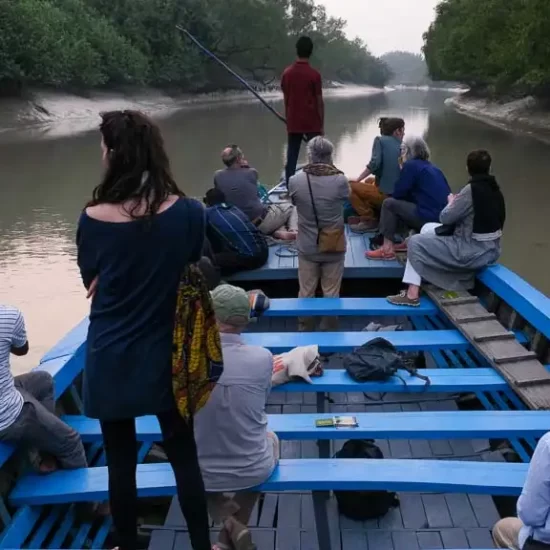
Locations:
{"points": [[338, 380], [384, 425], [293, 307], [157, 480], [453, 380], [334, 342]]}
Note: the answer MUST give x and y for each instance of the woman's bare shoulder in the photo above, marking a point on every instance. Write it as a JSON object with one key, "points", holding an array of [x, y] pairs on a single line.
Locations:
{"points": [[106, 212], [119, 213]]}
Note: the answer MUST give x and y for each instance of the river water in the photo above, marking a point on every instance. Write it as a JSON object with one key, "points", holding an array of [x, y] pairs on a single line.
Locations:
{"points": [[45, 183]]}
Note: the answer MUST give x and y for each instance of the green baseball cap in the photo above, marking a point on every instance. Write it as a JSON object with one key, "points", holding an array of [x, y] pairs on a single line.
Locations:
{"points": [[231, 304]]}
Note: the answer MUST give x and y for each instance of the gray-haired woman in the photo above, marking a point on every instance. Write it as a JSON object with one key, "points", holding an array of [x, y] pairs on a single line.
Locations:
{"points": [[319, 193], [419, 197]]}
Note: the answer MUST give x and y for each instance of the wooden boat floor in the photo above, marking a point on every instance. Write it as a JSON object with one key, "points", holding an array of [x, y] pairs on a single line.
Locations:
{"points": [[285, 521], [283, 263]]}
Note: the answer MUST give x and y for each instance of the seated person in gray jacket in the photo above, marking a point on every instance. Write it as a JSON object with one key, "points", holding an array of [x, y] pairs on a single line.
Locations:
{"points": [[239, 184]]}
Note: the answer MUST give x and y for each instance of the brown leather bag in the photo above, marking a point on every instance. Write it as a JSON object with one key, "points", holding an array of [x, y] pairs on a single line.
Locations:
{"points": [[329, 239]]}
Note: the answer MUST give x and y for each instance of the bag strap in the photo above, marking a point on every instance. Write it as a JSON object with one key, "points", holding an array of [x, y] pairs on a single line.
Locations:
{"points": [[414, 372], [314, 208]]}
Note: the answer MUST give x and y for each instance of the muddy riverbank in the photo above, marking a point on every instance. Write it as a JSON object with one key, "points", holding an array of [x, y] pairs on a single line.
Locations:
{"points": [[51, 114], [526, 115]]}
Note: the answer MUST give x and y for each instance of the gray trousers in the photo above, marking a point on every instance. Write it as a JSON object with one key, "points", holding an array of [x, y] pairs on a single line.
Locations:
{"points": [[38, 428], [397, 215]]}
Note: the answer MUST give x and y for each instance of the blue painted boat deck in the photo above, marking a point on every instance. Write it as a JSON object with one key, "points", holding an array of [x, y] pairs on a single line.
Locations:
{"points": [[283, 263], [285, 521]]}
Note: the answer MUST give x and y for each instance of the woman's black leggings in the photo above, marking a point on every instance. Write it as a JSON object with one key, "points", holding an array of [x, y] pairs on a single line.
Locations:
{"points": [[120, 442]]}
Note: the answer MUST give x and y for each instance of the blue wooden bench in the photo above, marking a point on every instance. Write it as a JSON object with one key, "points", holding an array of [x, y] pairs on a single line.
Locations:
{"points": [[385, 425], [334, 342], [441, 381], [293, 307], [316, 475]]}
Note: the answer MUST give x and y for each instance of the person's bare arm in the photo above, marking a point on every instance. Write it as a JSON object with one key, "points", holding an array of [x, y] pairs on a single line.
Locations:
{"points": [[364, 174]]}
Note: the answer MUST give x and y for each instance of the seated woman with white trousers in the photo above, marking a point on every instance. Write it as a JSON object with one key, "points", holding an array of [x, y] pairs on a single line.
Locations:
{"points": [[449, 254]]}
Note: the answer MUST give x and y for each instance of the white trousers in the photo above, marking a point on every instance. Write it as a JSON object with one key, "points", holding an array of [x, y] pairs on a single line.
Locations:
{"points": [[411, 277]]}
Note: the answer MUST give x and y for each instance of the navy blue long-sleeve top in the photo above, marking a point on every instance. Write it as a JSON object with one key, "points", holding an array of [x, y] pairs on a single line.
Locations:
{"points": [[139, 265], [424, 184]]}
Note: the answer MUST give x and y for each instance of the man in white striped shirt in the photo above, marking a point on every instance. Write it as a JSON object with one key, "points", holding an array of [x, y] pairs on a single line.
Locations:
{"points": [[27, 403]]}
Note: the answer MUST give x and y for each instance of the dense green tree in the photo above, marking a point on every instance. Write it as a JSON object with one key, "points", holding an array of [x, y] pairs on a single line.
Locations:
{"points": [[494, 46], [90, 43]]}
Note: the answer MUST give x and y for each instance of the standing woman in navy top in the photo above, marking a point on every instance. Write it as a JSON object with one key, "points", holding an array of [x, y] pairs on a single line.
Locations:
{"points": [[135, 237]]}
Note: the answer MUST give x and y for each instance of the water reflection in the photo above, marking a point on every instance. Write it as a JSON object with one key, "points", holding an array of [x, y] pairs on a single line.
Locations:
{"points": [[47, 182], [353, 140]]}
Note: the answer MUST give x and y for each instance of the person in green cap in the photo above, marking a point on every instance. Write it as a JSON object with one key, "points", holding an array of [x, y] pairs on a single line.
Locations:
{"points": [[236, 450]]}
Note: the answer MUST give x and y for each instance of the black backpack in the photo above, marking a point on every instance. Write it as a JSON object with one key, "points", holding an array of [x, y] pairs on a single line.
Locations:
{"points": [[363, 505], [378, 360]]}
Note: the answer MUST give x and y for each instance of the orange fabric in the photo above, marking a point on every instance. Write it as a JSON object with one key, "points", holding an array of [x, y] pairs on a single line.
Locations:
{"points": [[366, 199]]}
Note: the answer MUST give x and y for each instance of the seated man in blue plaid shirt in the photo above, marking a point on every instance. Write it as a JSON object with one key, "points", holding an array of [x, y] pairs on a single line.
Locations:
{"points": [[236, 244]]}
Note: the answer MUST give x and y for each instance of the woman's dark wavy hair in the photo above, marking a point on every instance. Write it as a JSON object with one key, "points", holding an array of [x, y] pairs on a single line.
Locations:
{"points": [[388, 125], [136, 147]]}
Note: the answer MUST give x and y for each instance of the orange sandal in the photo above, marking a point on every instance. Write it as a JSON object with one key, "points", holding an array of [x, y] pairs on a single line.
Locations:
{"points": [[379, 254]]}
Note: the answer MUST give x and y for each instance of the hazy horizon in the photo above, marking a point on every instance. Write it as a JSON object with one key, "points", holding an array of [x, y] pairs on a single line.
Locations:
{"points": [[385, 25]]}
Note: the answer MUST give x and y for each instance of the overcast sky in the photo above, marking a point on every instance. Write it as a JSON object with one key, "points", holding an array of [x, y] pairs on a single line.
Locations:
{"points": [[385, 25]]}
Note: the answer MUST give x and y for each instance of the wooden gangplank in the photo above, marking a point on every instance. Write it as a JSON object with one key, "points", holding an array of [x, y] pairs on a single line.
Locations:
{"points": [[527, 377]]}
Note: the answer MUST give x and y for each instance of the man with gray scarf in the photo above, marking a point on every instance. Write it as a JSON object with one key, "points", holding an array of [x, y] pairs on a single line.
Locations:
{"points": [[319, 193]]}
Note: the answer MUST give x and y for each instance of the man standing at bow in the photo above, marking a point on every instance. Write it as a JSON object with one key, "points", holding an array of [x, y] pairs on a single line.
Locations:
{"points": [[303, 92]]}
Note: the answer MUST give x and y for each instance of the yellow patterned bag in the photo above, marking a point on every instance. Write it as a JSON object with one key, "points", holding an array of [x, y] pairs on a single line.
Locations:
{"points": [[197, 361]]}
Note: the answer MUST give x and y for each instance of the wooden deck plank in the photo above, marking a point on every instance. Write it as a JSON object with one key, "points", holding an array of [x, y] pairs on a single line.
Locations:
{"points": [[454, 538], [392, 520], [380, 540], [334, 524], [306, 511], [461, 511], [484, 509], [525, 374], [254, 516], [436, 511], [405, 540], [429, 539], [354, 540], [479, 538], [412, 511], [162, 540], [288, 523], [264, 539], [268, 510], [175, 518], [182, 541], [308, 540], [357, 266]]}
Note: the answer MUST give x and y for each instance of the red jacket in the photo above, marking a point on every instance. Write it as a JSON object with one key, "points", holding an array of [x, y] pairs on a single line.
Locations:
{"points": [[302, 87]]}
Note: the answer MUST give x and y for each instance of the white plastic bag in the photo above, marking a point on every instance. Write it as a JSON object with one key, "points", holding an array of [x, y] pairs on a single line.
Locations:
{"points": [[300, 363]]}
